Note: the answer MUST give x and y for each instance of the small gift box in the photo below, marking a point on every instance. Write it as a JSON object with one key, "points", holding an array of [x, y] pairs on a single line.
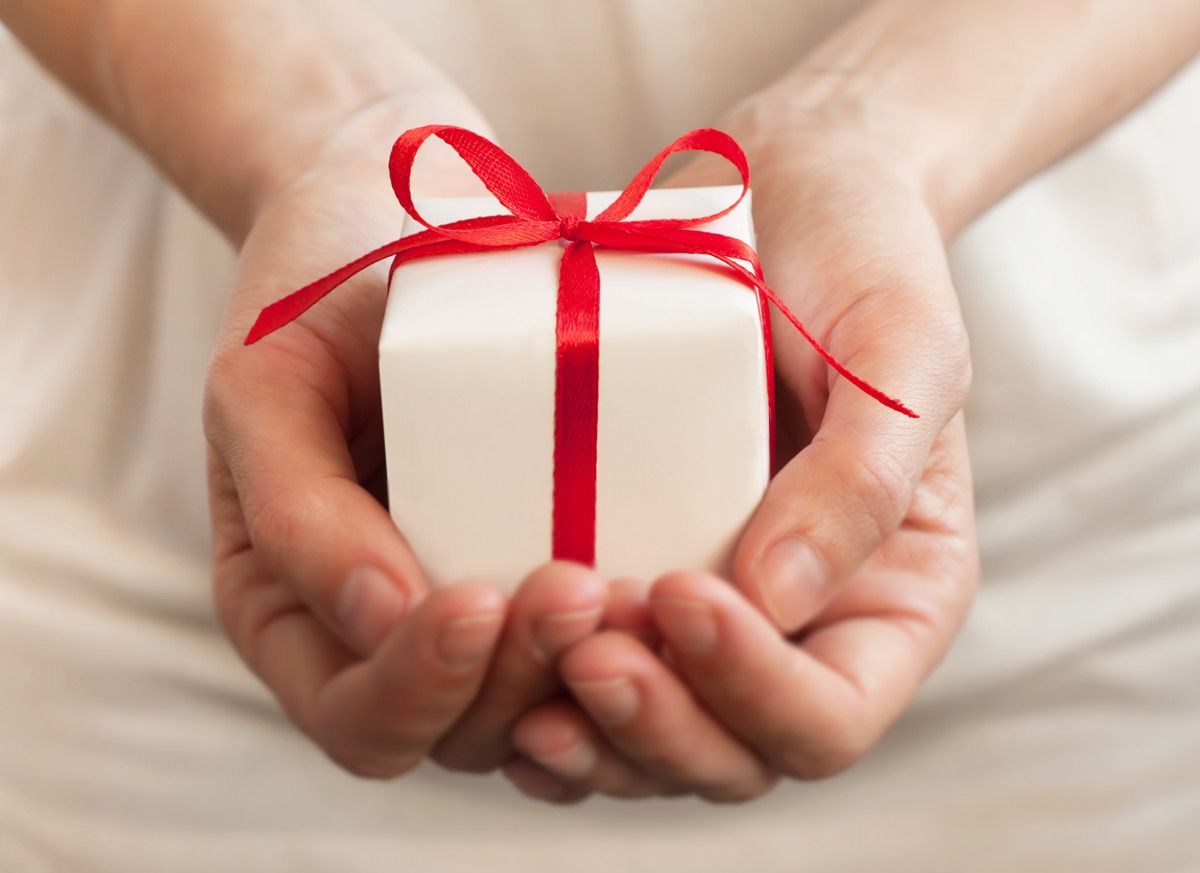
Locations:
{"points": [[578, 376], [467, 363]]}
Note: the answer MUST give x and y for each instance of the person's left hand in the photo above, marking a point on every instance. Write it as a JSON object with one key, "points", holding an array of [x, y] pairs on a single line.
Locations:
{"points": [[859, 565]]}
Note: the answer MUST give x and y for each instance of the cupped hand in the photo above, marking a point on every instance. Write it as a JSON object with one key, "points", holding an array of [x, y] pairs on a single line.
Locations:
{"points": [[858, 567], [314, 584]]}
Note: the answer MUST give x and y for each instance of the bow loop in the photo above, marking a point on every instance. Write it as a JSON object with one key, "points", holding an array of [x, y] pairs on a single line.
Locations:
{"points": [[507, 180], [535, 217], [703, 139]]}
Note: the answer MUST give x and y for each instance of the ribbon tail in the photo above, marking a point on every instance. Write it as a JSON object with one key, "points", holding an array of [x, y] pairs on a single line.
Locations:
{"points": [[755, 280], [426, 244], [645, 237], [291, 307], [857, 381]]}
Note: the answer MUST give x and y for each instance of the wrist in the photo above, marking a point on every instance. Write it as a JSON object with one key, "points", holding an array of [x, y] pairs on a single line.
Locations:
{"points": [[232, 124], [818, 115], [346, 139]]}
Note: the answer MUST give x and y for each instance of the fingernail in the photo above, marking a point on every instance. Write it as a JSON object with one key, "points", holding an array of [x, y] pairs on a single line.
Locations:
{"points": [[368, 606], [574, 762], [466, 642], [554, 632], [793, 583], [611, 702], [689, 625]]}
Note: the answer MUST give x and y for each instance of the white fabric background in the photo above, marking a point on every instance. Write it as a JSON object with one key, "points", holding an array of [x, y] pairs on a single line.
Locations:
{"points": [[1062, 734]]}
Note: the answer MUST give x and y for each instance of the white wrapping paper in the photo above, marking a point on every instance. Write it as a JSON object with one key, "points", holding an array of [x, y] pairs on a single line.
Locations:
{"points": [[467, 359]]}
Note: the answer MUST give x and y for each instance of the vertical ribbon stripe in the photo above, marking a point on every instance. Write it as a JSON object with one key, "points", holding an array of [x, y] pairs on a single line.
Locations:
{"points": [[576, 391]]}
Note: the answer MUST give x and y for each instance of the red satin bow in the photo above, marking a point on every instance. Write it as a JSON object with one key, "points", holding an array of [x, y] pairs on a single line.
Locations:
{"points": [[534, 218]]}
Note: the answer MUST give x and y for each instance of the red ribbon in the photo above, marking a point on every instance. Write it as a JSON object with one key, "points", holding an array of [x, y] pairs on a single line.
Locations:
{"points": [[534, 218]]}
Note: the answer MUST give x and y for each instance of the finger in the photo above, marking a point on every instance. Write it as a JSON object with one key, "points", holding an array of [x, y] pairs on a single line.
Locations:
{"points": [[556, 606], [271, 420], [533, 781], [380, 717], [810, 710], [628, 610], [650, 717], [564, 743], [836, 501]]}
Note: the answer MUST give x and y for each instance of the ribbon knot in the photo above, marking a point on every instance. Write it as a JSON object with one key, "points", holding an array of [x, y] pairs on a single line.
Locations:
{"points": [[534, 218], [568, 228]]}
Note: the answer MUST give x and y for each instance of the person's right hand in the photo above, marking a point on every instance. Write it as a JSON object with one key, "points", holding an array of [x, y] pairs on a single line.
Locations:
{"points": [[314, 584]]}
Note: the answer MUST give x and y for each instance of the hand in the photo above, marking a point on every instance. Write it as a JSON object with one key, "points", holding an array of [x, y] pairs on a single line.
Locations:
{"points": [[314, 584], [859, 565]]}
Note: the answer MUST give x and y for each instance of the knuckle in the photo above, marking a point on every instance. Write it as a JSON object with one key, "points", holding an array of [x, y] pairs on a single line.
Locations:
{"points": [[367, 757], [879, 486], [246, 607], [837, 752], [284, 520], [379, 746]]}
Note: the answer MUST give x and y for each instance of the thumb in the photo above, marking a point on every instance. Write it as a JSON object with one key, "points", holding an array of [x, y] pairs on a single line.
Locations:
{"points": [[836, 501], [307, 520]]}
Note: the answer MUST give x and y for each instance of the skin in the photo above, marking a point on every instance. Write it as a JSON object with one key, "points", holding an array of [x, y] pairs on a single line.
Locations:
{"points": [[858, 567]]}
